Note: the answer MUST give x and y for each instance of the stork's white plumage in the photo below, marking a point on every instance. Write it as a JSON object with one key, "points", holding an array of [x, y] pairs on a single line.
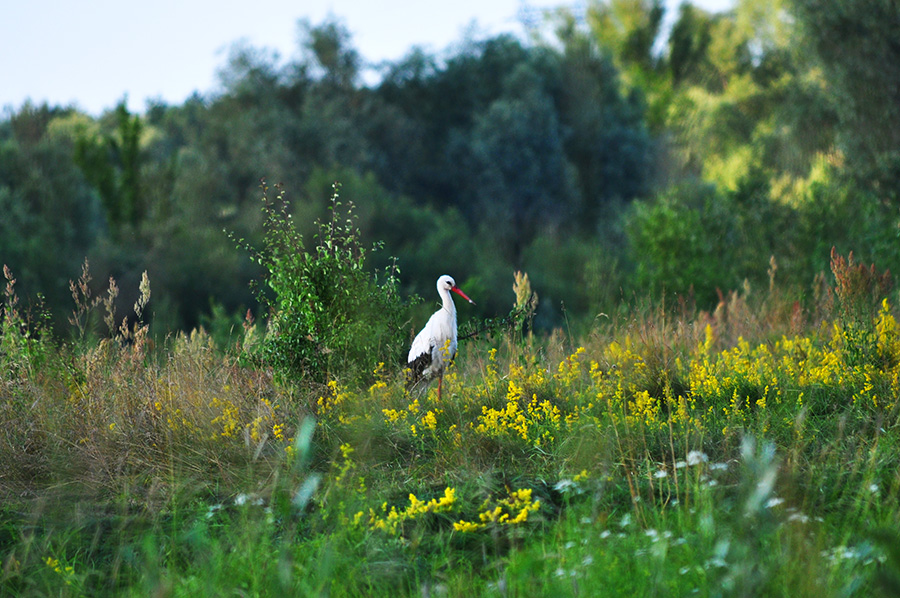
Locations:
{"points": [[435, 346]]}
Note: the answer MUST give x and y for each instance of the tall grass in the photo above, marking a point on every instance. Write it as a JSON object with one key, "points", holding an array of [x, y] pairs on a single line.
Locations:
{"points": [[747, 452]]}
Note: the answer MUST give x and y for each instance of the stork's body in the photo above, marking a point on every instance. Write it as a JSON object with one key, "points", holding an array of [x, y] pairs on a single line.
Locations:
{"points": [[435, 346]]}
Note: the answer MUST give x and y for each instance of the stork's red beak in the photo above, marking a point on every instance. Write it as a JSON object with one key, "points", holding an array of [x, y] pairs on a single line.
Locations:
{"points": [[461, 294]]}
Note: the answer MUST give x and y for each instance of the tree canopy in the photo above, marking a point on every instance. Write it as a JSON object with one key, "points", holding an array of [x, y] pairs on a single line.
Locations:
{"points": [[607, 156]]}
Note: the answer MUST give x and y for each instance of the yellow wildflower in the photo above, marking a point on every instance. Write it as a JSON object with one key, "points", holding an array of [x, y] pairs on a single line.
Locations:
{"points": [[430, 421]]}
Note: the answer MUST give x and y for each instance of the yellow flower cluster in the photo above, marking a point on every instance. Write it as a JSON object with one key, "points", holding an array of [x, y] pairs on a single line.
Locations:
{"points": [[569, 369], [644, 407], [334, 398], [512, 510], [228, 421], [535, 423], [380, 383], [346, 464], [229, 417], [429, 420], [391, 521], [394, 415], [67, 572], [629, 371], [743, 379], [414, 417], [526, 414], [887, 337], [264, 420]]}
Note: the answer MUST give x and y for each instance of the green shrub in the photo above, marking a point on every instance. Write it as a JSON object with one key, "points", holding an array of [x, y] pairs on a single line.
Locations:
{"points": [[22, 348], [329, 316], [684, 242]]}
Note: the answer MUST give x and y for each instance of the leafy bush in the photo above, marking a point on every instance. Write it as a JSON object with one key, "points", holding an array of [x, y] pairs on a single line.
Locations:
{"points": [[684, 242], [21, 347], [329, 315]]}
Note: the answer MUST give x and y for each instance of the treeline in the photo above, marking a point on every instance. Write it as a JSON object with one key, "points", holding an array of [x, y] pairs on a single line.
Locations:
{"points": [[604, 156]]}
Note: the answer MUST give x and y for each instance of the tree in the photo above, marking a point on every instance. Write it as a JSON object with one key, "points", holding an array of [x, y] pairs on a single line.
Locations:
{"points": [[328, 47], [524, 182], [858, 49], [628, 31], [111, 162], [50, 216], [439, 107], [606, 135]]}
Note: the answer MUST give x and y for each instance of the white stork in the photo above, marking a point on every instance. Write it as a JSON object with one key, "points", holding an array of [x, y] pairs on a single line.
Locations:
{"points": [[435, 345]]}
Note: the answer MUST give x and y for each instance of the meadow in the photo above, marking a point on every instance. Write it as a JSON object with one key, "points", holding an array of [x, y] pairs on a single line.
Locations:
{"points": [[750, 451], [701, 401]]}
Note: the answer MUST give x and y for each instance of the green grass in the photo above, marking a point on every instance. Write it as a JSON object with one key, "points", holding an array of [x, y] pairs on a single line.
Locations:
{"points": [[733, 454]]}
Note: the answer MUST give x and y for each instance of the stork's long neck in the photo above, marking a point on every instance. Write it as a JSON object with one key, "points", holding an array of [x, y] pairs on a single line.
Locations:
{"points": [[448, 304]]}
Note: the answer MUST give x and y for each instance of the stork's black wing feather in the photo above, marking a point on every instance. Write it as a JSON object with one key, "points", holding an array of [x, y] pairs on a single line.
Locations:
{"points": [[418, 366]]}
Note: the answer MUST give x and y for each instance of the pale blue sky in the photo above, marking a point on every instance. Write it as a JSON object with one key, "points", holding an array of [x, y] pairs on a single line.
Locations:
{"points": [[94, 52]]}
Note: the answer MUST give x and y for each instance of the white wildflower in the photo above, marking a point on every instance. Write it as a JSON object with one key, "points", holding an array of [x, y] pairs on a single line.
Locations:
{"points": [[696, 458], [248, 499], [799, 517], [564, 485]]}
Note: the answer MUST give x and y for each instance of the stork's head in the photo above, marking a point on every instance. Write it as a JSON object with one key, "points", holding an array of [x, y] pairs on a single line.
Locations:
{"points": [[446, 283]]}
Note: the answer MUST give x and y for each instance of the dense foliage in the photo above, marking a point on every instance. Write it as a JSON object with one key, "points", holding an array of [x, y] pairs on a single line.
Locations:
{"points": [[594, 156], [329, 315]]}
